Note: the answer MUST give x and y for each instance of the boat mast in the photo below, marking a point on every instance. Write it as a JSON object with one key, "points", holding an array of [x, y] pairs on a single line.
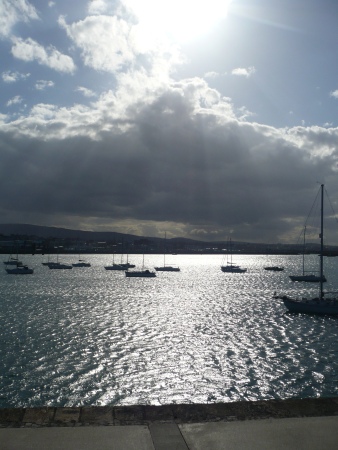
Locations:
{"points": [[321, 240], [304, 251]]}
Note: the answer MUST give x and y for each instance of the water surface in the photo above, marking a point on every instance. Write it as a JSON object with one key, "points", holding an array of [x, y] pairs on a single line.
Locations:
{"points": [[88, 336]]}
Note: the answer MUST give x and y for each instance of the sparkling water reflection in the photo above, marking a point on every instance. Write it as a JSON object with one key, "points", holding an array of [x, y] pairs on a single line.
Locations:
{"points": [[87, 336]]}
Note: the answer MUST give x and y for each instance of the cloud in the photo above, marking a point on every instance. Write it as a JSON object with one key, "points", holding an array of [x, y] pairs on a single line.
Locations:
{"points": [[12, 12], [334, 93], [29, 50], [180, 158], [12, 77], [213, 74], [86, 92], [244, 72], [114, 44], [101, 7], [15, 100], [41, 85], [152, 152], [106, 42]]}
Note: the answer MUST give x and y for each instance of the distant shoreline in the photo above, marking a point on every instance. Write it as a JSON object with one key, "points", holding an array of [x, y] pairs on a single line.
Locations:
{"points": [[241, 253]]}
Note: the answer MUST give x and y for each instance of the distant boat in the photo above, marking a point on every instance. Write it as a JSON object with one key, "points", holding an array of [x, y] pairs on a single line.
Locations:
{"points": [[144, 273], [12, 261], [165, 268], [115, 266], [311, 278], [127, 265], [274, 268], [318, 305], [140, 273], [58, 265], [230, 267], [20, 269], [81, 263], [307, 277]]}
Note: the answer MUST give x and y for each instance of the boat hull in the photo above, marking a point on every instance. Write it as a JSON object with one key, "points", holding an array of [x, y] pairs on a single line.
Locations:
{"points": [[20, 271], [307, 278], [141, 274], [167, 269], [228, 269], [60, 266], [115, 267], [313, 306]]}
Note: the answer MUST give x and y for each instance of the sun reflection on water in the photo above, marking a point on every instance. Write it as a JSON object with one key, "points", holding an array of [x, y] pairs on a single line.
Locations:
{"points": [[92, 337]]}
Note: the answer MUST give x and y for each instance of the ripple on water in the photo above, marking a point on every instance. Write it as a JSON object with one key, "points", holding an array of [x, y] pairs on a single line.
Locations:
{"points": [[97, 338]]}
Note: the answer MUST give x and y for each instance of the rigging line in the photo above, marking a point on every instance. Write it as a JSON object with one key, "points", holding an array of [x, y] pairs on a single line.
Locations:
{"points": [[333, 211], [314, 204], [311, 215]]}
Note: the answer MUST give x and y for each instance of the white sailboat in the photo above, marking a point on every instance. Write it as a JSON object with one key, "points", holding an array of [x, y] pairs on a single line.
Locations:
{"points": [[307, 277], [230, 267], [165, 268], [318, 305], [144, 273]]}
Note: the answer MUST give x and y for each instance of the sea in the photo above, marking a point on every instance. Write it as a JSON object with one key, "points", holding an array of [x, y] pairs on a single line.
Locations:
{"points": [[89, 336]]}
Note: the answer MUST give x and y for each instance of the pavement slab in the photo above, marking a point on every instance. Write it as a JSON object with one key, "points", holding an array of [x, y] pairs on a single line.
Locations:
{"points": [[133, 437], [310, 433], [167, 436]]}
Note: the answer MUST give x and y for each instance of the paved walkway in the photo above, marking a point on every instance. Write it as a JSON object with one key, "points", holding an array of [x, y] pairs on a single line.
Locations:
{"points": [[309, 424], [268, 434]]}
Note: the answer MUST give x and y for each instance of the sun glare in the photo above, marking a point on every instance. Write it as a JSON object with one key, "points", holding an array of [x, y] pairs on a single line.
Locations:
{"points": [[181, 20]]}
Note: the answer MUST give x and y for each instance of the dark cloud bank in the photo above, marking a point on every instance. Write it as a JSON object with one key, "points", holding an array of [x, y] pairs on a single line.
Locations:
{"points": [[208, 174]]}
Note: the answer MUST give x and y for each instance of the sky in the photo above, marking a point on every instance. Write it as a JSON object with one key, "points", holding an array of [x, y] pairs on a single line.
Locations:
{"points": [[198, 119]]}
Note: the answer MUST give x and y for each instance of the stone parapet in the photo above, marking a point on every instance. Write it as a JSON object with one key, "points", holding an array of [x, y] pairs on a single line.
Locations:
{"points": [[174, 413]]}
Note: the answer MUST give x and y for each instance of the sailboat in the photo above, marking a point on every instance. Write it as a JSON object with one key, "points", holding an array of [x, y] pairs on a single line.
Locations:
{"points": [[81, 262], [230, 267], [317, 305], [165, 268], [274, 268], [12, 261], [20, 269], [15, 267], [58, 265], [127, 265], [145, 273], [115, 266], [310, 278]]}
